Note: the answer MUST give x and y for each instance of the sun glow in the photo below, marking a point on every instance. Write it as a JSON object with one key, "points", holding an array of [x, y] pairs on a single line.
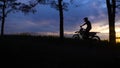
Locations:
{"points": [[118, 37], [118, 40], [104, 30]]}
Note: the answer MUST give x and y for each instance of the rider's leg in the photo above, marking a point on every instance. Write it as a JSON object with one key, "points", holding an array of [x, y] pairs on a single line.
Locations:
{"points": [[87, 33], [85, 36]]}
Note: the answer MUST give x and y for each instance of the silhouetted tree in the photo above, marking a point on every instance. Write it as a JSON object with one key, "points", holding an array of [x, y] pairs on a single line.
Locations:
{"points": [[28, 8], [7, 6], [61, 18], [60, 6], [111, 7]]}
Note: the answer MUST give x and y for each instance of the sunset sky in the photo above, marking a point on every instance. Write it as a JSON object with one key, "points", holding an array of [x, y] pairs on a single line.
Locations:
{"points": [[46, 19]]}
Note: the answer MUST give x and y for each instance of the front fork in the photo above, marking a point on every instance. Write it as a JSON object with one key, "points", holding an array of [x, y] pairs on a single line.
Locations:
{"points": [[80, 36]]}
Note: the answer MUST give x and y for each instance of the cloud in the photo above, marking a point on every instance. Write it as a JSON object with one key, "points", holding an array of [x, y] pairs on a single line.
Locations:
{"points": [[29, 26]]}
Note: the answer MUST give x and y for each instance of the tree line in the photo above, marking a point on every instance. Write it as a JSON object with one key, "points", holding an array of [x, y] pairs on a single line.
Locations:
{"points": [[8, 6]]}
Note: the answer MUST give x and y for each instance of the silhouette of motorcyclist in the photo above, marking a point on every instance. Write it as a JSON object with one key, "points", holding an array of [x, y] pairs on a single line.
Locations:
{"points": [[88, 28]]}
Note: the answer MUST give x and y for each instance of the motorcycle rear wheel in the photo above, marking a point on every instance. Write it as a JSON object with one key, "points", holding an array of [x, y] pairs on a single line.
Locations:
{"points": [[96, 38], [75, 37]]}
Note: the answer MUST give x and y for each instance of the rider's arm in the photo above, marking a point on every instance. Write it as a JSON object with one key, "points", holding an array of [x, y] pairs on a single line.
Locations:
{"points": [[83, 25]]}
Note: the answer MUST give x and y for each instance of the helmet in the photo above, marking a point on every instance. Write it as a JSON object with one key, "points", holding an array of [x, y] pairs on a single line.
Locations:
{"points": [[86, 18]]}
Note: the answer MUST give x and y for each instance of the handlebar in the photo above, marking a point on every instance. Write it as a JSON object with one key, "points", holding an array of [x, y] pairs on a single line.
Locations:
{"points": [[80, 26]]}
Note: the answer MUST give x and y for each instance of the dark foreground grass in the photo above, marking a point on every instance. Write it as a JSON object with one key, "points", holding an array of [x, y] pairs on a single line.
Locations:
{"points": [[51, 52]]}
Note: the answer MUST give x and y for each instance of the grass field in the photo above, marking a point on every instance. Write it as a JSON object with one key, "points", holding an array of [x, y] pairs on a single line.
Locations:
{"points": [[49, 52]]}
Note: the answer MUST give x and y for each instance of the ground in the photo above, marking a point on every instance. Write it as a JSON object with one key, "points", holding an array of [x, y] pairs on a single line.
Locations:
{"points": [[50, 52]]}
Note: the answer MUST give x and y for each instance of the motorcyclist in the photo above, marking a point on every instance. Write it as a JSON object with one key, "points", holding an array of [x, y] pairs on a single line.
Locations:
{"points": [[88, 28]]}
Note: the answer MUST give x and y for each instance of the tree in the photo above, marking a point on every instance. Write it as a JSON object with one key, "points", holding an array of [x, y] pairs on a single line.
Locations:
{"points": [[61, 19], [8, 6], [111, 7], [60, 6]]}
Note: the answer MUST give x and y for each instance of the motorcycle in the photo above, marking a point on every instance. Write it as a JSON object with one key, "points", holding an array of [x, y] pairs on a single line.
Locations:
{"points": [[81, 35]]}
